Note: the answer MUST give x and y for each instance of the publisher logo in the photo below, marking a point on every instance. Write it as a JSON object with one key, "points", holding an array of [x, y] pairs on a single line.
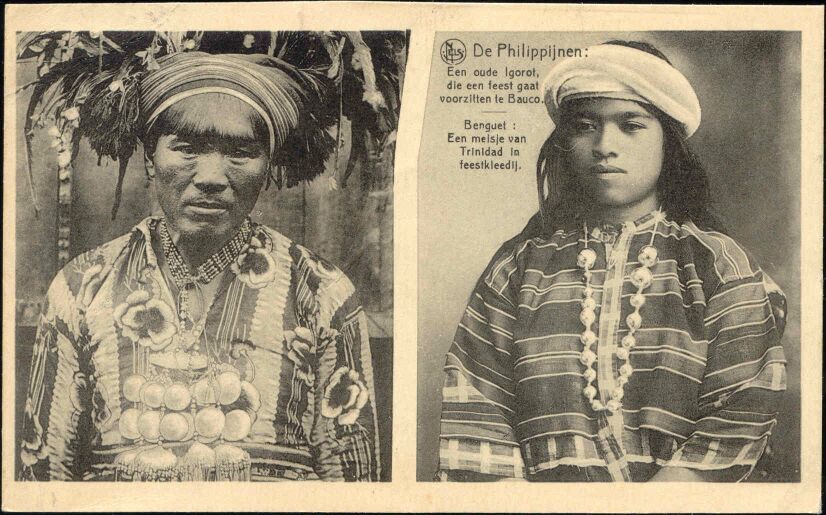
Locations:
{"points": [[453, 51]]}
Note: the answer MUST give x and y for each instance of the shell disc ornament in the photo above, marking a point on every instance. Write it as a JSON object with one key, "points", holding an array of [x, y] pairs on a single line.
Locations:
{"points": [[128, 424], [209, 422], [229, 387], [174, 427], [152, 394], [177, 397], [149, 424], [132, 387], [236, 425]]}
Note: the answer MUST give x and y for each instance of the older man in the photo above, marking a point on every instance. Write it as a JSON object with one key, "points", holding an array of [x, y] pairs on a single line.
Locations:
{"points": [[202, 345]]}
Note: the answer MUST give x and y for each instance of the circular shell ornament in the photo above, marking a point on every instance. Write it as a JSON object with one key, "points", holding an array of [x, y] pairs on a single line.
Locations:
{"points": [[151, 394], [587, 358], [589, 392], [588, 338], [204, 392], [149, 425], [629, 341], [229, 387], [634, 321], [128, 424], [177, 397], [132, 387], [641, 277], [647, 256], [586, 258], [587, 317], [174, 427], [209, 422], [237, 425]]}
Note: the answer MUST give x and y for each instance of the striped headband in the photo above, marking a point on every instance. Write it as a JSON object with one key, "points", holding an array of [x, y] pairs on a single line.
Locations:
{"points": [[270, 91], [620, 72]]}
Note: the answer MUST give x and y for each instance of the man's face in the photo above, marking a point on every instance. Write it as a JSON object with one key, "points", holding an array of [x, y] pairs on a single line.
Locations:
{"points": [[208, 176], [617, 152]]}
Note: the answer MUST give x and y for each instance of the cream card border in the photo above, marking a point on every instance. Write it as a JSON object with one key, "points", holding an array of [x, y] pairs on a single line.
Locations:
{"points": [[404, 493]]}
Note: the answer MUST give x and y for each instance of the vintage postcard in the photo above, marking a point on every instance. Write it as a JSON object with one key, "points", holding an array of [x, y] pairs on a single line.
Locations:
{"points": [[380, 252]]}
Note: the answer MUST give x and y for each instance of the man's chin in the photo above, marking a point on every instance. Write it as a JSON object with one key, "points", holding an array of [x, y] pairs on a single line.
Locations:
{"points": [[204, 229]]}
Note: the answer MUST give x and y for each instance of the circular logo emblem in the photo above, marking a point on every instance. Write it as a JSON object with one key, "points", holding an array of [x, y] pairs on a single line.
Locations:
{"points": [[453, 51]]}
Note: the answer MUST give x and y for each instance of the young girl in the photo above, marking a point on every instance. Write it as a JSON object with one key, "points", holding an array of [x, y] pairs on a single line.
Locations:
{"points": [[621, 336]]}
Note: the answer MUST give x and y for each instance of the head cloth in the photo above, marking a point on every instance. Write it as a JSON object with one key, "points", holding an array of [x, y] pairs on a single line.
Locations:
{"points": [[270, 90], [620, 72]]}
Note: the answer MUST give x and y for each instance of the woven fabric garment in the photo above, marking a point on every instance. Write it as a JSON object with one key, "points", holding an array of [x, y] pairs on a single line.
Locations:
{"points": [[708, 366], [287, 320]]}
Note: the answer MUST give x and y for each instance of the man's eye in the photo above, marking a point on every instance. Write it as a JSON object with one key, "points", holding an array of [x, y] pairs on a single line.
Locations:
{"points": [[185, 149], [242, 154]]}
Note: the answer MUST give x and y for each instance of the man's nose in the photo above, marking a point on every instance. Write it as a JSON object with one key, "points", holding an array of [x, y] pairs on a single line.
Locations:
{"points": [[210, 173], [606, 142]]}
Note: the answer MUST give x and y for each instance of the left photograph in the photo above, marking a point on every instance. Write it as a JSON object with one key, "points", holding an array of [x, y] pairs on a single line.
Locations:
{"points": [[204, 255]]}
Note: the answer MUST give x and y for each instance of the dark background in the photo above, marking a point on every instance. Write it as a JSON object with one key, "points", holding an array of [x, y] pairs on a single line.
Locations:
{"points": [[748, 84]]}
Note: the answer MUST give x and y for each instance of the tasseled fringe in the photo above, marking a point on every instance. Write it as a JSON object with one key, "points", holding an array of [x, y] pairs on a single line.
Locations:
{"points": [[155, 463]]}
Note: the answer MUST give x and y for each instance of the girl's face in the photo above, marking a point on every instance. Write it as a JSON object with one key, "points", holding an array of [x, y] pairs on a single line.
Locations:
{"points": [[208, 177], [616, 151]]}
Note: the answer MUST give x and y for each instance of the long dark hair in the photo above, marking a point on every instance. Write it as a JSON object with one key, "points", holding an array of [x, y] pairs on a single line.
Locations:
{"points": [[682, 188]]}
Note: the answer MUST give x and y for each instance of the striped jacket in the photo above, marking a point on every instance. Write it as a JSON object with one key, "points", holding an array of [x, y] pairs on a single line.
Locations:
{"points": [[293, 316], [708, 366]]}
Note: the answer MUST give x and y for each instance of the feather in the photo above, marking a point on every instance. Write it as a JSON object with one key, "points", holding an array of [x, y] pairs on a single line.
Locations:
{"points": [[122, 164]]}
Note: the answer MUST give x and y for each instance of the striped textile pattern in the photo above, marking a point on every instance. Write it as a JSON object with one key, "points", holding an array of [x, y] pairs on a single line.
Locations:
{"points": [[709, 368], [81, 358]]}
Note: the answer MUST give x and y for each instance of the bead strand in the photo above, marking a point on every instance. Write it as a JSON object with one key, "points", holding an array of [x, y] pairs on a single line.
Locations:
{"points": [[586, 260], [641, 278]]}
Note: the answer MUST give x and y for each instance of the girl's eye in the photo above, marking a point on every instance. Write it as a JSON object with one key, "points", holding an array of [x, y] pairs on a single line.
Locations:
{"points": [[584, 126], [632, 126]]}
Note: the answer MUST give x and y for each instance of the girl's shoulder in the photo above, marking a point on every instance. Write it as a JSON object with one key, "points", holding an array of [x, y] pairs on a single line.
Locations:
{"points": [[718, 257], [528, 250]]}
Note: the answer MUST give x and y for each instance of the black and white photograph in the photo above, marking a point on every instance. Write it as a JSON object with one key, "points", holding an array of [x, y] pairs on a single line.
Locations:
{"points": [[204, 254], [616, 295]]}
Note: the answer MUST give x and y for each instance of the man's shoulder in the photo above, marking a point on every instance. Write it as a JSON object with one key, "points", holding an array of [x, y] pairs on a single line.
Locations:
{"points": [[310, 265], [106, 253]]}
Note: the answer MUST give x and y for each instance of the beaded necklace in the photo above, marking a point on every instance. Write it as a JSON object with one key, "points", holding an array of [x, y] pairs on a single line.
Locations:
{"points": [[641, 278], [207, 271]]}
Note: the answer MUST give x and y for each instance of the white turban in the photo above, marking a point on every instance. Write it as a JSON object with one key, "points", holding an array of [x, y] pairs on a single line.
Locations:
{"points": [[620, 72]]}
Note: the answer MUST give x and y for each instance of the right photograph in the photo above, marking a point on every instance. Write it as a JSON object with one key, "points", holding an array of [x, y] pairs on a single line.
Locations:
{"points": [[609, 246]]}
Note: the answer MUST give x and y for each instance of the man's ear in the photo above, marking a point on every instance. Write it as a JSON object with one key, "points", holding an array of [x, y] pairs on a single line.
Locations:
{"points": [[149, 164]]}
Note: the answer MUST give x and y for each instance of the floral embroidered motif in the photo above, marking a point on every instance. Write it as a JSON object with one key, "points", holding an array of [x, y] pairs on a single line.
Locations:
{"points": [[254, 266], [147, 321], [301, 345], [344, 396], [240, 350]]}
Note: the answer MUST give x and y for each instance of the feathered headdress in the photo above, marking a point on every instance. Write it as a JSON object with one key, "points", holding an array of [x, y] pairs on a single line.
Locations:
{"points": [[102, 92], [98, 86]]}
